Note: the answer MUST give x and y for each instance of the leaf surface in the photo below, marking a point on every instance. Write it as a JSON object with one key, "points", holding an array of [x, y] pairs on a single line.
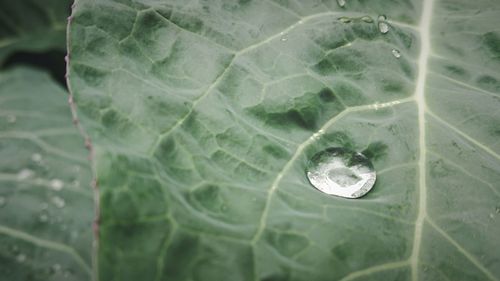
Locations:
{"points": [[204, 114], [46, 205]]}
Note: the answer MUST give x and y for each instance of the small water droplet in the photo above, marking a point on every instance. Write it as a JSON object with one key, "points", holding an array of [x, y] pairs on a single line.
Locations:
{"points": [[345, 20], [58, 202], [367, 19], [383, 27], [341, 172], [341, 3], [11, 119], [3, 201], [56, 268], [36, 157], [283, 36], [24, 174], [492, 216], [396, 53], [43, 217], [56, 184], [497, 210], [21, 258]]}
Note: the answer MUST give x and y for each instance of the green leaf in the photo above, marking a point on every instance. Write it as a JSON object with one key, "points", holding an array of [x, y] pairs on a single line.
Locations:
{"points": [[46, 205], [204, 115], [32, 25]]}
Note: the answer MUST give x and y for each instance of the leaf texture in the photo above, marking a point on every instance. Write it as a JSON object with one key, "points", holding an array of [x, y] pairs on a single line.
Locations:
{"points": [[203, 115]]}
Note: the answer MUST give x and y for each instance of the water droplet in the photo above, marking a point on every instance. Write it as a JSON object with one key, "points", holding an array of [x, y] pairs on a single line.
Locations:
{"points": [[56, 268], [283, 37], [58, 202], [367, 19], [24, 174], [345, 20], [36, 157], [383, 27], [3, 201], [11, 119], [21, 258], [341, 172], [396, 53], [341, 3], [56, 184], [492, 216], [43, 217], [497, 210]]}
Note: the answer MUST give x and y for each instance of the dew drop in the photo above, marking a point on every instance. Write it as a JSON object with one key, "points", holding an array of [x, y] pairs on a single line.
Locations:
{"points": [[24, 174], [396, 53], [58, 202], [341, 3], [21, 258], [56, 184], [3, 201], [36, 157], [341, 172], [383, 27], [56, 268], [283, 37], [367, 19], [492, 216], [43, 217], [345, 20], [11, 119]]}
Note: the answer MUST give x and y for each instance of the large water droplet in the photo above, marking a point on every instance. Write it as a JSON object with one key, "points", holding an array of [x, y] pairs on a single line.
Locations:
{"points": [[396, 53], [383, 27], [341, 3], [341, 172]]}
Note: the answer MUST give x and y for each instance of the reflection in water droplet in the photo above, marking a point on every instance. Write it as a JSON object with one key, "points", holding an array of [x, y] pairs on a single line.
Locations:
{"points": [[367, 19], [341, 172], [24, 174], [383, 27], [2, 201], [11, 119], [396, 53], [58, 201], [341, 3], [56, 184]]}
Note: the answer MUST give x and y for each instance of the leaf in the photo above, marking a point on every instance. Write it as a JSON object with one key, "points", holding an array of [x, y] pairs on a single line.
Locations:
{"points": [[45, 195], [32, 25], [204, 115]]}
